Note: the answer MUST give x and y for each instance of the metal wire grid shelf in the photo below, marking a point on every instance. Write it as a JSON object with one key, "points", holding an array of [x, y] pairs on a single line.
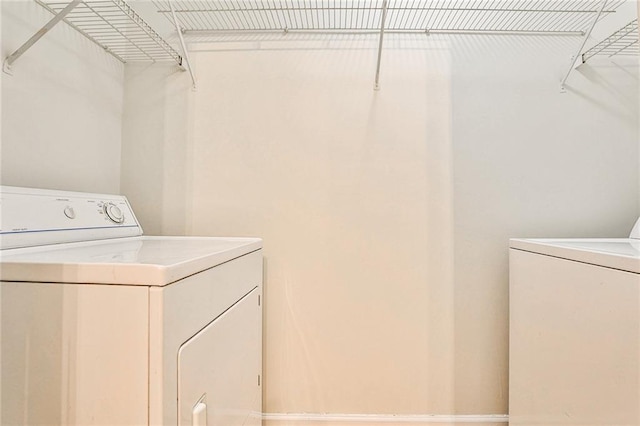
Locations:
{"points": [[445, 16], [116, 27], [622, 42]]}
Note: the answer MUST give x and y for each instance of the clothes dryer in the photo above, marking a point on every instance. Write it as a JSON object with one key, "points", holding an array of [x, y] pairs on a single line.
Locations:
{"points": [[104, 326]]}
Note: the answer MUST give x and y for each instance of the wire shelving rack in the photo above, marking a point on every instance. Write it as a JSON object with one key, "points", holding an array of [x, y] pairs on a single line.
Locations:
{"points": [[623, 42], [445, 16], [115, 26]]}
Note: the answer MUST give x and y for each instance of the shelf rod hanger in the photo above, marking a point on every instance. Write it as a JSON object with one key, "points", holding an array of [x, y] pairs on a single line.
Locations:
{"points": [[382, 22], [584, 41], [9, 60], [185, 54]]}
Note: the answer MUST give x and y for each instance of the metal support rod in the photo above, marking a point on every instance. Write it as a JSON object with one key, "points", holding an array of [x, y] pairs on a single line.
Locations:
{"points": [[584, 41], [384, 17], [386, 31], [37, 36], [185, 54]]}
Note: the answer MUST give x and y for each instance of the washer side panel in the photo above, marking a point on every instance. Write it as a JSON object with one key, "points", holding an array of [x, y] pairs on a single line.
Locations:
{"points": [[74, 354]]}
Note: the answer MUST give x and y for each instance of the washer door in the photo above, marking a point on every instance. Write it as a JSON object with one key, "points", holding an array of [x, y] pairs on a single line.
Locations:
{"points": [[219, 369]]}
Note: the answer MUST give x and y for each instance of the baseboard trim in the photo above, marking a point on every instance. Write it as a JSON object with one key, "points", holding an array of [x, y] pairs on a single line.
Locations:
{"points": [[386, 418]]}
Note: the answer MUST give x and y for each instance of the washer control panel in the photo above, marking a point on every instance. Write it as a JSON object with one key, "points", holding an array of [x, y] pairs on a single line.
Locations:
{"points": [[37, 217]]}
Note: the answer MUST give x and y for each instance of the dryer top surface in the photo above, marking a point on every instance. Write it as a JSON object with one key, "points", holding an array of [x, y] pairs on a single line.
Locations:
{"points": [[152, 261]]}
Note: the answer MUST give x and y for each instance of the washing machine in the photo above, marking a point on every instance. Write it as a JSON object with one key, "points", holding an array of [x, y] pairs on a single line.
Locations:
{"points": [[574, 349], [101, 325]]}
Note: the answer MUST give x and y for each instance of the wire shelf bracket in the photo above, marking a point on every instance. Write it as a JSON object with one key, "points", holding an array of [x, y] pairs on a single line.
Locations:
{"points": [[574, 58], [382, 22], [9, 60], [185, 52]]}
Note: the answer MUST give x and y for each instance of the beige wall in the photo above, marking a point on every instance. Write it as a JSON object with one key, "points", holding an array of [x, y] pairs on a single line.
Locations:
{"points": [[385, 215], [156, 159], [351, 190]]}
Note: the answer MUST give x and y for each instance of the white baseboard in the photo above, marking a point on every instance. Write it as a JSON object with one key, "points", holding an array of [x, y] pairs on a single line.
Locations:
{"points": [[306, 419]]}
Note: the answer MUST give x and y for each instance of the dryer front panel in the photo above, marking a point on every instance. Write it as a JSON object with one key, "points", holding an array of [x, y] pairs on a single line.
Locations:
{"points": [[219, 369]]}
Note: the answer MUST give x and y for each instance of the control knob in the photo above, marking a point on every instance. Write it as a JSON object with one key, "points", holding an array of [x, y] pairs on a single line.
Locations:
{"points": [[114, 213], [69, 212]]}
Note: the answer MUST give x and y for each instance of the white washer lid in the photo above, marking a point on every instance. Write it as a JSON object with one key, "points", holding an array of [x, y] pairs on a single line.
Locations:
{"points": [[617, 253], [151, 261]]}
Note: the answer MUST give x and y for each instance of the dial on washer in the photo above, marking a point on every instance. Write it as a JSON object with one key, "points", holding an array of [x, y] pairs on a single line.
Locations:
{"points": [[114, 213]]}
